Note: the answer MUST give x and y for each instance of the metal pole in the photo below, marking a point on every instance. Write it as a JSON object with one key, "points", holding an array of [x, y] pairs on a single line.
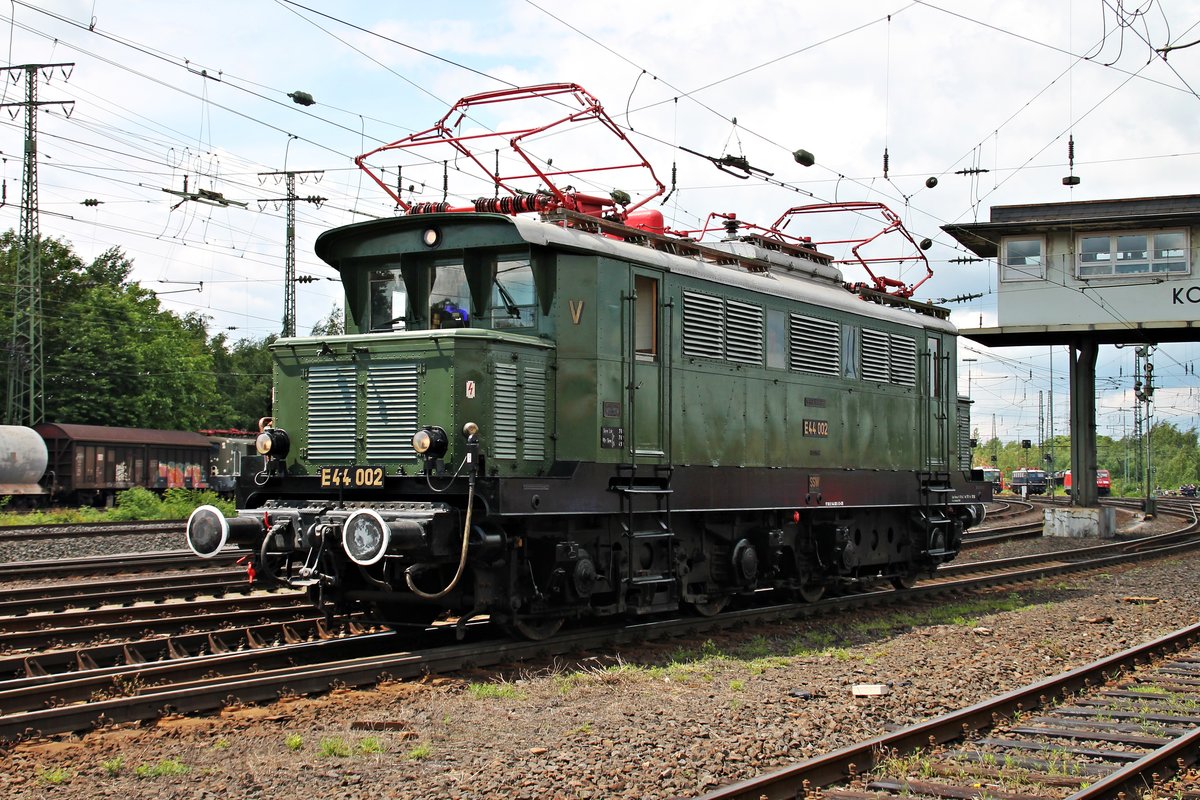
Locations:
{"points": [[26, 356], [289, 258]]}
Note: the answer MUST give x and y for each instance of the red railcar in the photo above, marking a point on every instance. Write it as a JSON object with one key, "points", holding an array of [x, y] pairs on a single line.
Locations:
{"points": [[1103, 482]]}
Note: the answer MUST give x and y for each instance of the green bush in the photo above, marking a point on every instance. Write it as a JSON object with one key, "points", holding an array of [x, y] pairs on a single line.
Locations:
{"points": [[136, 503], [180, 503]]}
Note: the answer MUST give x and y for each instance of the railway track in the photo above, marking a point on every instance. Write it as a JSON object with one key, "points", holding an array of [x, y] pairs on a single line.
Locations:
{"points": [[55, 702], [88, 530], [110, 564], [1111, 729]]}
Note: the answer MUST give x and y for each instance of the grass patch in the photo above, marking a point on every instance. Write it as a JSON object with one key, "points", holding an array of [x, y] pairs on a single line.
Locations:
{"points": [[293, 742], [55, 776], [371, 745], [502, 690], [168, 767], [333, 747], [419, 753], [113, 766]]}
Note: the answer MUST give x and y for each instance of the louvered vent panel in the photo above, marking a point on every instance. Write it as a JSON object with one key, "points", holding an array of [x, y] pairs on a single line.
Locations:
{"points": [[875, 356], [816, 346], [504, 441], [331, 412], [703, 326], [391, 412], [964, 436], [903, 364], [534, 435], [743, 332]]}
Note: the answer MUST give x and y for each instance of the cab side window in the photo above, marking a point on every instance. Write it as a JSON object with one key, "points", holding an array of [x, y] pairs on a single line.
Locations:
{"points": [[389, 301]]}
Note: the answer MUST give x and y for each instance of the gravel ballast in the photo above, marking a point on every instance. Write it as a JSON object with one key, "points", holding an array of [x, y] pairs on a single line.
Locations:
{"points": [[654, 721]]}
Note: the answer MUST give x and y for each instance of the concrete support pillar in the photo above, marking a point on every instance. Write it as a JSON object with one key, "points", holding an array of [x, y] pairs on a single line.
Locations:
{"points": [[1083, 422]]}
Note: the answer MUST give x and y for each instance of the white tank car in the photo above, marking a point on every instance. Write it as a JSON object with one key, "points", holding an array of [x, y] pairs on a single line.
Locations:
{"points": [[22, 461]]}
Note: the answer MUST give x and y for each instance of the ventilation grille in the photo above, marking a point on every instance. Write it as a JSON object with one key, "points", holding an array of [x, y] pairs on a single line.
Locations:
{"points": [[743, 332], [703, 326], [889, 358], [535, 413], [816, 346], [504, 437], [331, 412], [964, 436], [391, 412], [903, 360], [875, 356]]}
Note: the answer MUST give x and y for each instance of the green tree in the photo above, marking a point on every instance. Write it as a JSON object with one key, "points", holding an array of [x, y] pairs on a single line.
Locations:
{"points": [[113, 356], [243, 382], [332, 325]]}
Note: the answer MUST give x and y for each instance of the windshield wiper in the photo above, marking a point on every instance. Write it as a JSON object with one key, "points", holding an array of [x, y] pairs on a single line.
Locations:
{"points": [[510, 305]]}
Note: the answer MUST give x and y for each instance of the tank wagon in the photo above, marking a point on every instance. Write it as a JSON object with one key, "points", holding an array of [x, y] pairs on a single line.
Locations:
{"points": [[22, 464], [90, 463], [541, 418]]}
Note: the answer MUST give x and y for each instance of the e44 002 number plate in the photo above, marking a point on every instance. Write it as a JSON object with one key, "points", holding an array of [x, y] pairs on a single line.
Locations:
{"points": [[352, 477]]}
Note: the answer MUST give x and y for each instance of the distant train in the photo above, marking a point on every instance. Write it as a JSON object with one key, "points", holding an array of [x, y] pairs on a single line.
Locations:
{"points": [[1103, 482], [1028, 481], [993, 476], [90, 464]]}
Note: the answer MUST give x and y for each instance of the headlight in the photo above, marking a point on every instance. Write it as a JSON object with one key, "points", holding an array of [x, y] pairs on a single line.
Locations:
{"points": [[273, 442], [431, 442], [365, 537]]}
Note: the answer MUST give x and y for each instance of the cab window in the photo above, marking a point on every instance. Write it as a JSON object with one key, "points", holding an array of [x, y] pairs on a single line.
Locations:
{"points": [[449, 297], [389, 300], [513, 300]]}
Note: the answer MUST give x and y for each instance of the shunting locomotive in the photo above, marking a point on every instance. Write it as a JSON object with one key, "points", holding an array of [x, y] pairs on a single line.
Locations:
{"points": [[547, 406]]}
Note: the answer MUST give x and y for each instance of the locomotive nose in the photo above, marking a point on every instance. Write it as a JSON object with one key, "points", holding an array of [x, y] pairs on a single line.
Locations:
{"points": [[207, 531]]}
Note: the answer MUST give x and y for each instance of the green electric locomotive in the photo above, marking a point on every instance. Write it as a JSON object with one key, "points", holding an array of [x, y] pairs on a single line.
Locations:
{"points": [[556, 416]]}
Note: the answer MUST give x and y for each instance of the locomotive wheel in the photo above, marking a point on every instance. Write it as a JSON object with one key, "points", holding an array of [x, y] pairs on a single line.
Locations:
{"points": [[710, 608], [811, 592], [906, 581], [535, 630]]}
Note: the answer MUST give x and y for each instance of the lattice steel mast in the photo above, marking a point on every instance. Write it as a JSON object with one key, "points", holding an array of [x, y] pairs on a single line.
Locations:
{"points": [[26, 395], [289, 260]]}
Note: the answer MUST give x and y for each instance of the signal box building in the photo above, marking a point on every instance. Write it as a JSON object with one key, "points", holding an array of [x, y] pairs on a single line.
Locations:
{"points": [[1089, 273]]}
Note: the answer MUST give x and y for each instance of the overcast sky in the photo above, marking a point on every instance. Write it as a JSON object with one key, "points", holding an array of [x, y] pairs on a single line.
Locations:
{"points": [[168, 91]]}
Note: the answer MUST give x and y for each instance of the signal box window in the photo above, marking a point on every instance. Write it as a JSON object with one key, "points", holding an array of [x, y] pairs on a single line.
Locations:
{"points": [[513, 299], [389, 301], [1023, 260], [1132, 254], [645, 316]]}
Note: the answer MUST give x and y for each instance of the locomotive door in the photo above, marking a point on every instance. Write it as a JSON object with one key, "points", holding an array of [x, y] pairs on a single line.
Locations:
{"points": [[643, 353], [936, 412]]}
